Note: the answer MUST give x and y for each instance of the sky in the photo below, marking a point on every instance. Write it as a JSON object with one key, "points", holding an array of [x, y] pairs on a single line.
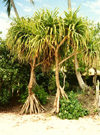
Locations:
{"points": [[88, 8]]}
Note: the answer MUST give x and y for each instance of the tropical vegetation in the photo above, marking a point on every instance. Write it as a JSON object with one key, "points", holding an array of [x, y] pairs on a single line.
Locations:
{"points": [[45, 56]]}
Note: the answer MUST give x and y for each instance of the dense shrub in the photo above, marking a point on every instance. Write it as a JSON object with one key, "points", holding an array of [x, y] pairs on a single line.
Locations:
{"points": [[48, 82], [41, 94], [4, 97], [14, 78], [13, 75], [71, 108], [23, 96], [52, 84], [42, 78]]}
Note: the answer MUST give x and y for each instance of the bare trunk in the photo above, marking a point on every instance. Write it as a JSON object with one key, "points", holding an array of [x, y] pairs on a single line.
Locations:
{"points": [[97, 101], [57, 70], [15, 10], [32, 81], [79, 76], [69, 5], [60, 90], [95, 78], [56, 103], [32, 105]]}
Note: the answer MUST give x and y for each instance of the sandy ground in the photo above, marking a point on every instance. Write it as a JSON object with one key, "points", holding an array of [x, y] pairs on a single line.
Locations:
{"points": [[43, 124]]}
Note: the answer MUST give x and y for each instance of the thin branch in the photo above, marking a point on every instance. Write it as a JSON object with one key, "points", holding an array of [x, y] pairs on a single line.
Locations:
{"points": [[64, 79], [47, 41], [31, 63], [64, 39], [68, 58], [39, 64], [52, 47]]}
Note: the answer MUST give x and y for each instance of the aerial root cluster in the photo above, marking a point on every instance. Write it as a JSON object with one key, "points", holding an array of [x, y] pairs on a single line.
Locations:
{"points": [[60, 93], [32, 105]]}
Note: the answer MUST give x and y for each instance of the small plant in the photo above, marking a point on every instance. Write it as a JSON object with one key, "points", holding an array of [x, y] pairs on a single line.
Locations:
{"points": [[52, 84], [41, 94], [23, 97], [71, 108]]}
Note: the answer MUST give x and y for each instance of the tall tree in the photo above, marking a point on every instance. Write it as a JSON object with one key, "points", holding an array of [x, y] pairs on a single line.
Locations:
{"points": [[92, 56], [81, 82], [69, 4], [10, 3], [54, 34], [15, 10], [22, 41], [77, 32]]}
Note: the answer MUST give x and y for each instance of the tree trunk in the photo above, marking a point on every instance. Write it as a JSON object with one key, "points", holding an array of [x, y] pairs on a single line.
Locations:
{"points": [[56, 103], [95, 78], [32, 105], [69, 5], [15, 10], [97, 100], [82, 84], [60, 90], [32, 81]]}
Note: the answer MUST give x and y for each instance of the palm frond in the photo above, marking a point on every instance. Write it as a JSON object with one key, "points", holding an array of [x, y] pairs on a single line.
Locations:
{"points": [[8, 5]]}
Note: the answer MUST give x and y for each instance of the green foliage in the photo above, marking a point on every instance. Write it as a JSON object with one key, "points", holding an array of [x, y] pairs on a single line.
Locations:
{"points": [[41, 94], [13, 75], [4, 97], [52, 84], [81, 69], [71, 108], [42, 78], [62, 79], [8, 6], [76, 29], [92, 56], [40, 35], [23, 96]]}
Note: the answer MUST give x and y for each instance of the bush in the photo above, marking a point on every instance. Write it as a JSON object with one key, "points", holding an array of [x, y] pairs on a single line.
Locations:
{"points": [[23, 96], [13, 76], [71, 108], [41, 94], [4, 97], [52, 84]]}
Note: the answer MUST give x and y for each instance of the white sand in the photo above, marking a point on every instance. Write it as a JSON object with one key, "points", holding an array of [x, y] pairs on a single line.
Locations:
{"points": [[14, 124]]}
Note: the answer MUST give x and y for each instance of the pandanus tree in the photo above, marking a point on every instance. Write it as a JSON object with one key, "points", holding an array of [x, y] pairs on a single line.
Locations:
{"points": [[77, 31], [24, 42], [55, 40], [83, 34], [92, 56]]}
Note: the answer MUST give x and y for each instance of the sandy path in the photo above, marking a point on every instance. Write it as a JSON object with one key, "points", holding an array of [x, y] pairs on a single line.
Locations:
{"points": [[14, 124]]}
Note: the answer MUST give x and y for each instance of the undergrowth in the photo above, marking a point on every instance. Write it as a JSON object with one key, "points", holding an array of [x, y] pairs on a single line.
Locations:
{"points": [[71, 108]]}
